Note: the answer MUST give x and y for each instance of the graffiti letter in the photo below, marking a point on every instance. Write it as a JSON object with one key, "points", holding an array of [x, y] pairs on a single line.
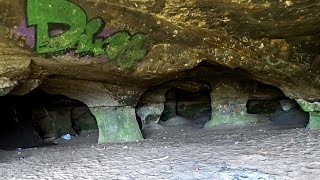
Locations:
{"points": [[124, 50], [86, 43], [42, 12], [136, 50], [117, 45]]}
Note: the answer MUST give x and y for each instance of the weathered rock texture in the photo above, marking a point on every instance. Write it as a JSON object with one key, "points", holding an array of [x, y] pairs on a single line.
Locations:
{"points": [[108, 52], [314, 112], [151, 106], [185, 98], [231, 109]]}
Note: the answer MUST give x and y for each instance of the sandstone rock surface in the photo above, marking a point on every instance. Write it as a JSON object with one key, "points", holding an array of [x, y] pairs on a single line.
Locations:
{"points": [[107, 53]]}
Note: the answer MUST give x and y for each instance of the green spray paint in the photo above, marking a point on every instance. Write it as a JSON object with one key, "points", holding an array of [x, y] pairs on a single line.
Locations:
{"points": [[121, 48], [86, 43]]}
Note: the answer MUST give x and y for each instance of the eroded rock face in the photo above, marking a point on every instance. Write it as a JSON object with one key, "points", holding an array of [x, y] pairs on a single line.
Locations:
{"points": [[314, 112], [262, 38], [229, 100], [108, 52], [151, 106]]}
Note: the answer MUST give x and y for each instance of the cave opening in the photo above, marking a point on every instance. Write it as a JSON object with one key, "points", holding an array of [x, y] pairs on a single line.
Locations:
{"points": [[38, 119], [281, 112], [184, 107]]}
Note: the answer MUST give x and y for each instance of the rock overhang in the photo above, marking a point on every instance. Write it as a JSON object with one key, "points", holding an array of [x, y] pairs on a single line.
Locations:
{"points": [[142, 44]]}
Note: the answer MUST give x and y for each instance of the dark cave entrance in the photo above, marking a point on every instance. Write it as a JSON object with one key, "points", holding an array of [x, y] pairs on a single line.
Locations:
{"points": [[30, 120], [186, 107], [282, 112]]}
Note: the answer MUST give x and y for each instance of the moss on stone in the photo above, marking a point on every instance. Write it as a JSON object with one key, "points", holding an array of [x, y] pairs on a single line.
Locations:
{"points": [[216, 120], [308, 106], [117, 124], [314, 121], [241, 118], [314, 112]]}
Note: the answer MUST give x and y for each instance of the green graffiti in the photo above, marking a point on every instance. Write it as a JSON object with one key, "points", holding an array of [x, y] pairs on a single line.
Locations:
{"points": [[122, 48], [125, 50], [86, 43]]}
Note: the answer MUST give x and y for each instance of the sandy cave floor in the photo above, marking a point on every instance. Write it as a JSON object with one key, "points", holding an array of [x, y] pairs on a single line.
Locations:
{"points": [[181, 152]]}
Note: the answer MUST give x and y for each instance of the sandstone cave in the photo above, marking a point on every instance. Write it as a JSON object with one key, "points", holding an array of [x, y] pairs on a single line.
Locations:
{"points": [[205, 97], [160, 89]]}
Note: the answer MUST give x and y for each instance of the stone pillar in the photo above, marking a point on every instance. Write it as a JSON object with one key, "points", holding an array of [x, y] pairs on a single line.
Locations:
{"points": [[314, 112], [170, 105], [116, 124], [112, 105], [228, 103]]}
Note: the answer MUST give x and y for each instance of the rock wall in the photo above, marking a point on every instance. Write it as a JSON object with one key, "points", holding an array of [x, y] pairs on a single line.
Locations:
{"points": [[228, 102], [151, 106], [150, 46]]}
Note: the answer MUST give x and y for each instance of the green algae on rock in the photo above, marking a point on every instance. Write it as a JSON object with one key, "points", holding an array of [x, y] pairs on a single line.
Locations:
{"points": [[314, 112], [116, 124]]}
